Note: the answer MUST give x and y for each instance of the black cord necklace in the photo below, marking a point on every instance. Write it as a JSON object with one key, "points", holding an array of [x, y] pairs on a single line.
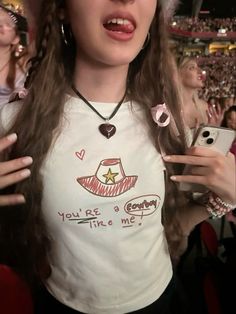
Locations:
{"points": [[106, 129]]}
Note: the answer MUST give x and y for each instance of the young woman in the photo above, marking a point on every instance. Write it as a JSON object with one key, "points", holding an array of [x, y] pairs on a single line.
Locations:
{"points": [[229, 121], [86, 167], [12, 56], [196, 111]]}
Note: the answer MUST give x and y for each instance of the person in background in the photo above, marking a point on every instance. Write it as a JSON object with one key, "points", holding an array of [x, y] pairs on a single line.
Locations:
{"points": [[13, 53], [191, 80], [196, 111], [92, 160], [229, 121]]}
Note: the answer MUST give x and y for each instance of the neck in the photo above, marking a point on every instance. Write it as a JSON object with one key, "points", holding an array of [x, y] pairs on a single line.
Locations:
{"points": [[5, 53], [100, 84], [188, 95]]}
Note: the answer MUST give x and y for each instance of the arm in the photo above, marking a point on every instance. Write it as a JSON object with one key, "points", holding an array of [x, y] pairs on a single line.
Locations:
{"points": [[210, 168], [178, 231], [190, 216]]}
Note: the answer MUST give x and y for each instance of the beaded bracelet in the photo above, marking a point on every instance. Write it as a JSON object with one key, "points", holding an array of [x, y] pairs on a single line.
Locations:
{"points": [[215, 205]]}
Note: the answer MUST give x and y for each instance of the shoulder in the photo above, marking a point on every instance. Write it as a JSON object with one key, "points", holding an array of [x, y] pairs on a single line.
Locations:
{"points": [[8, 114]]}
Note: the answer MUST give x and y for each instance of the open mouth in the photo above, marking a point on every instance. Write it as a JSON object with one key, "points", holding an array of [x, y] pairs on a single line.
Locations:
{"points": [[121, 25], [201, 77]]}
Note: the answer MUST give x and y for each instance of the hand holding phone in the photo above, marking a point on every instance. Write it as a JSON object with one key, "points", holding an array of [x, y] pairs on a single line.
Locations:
{"points": [[216, 138]]}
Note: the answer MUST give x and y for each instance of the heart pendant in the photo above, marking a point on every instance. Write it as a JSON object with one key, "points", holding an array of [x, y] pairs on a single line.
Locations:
{"points": [[107, 130]]}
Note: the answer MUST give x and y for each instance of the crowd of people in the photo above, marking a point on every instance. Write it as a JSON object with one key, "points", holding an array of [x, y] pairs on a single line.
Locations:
{"points": [[219, 66], [220, 72], [96, 129], [204, 25]]}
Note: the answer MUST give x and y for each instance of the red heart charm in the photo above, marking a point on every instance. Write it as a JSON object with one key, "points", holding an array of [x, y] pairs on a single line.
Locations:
{"points": [[107, 130]]}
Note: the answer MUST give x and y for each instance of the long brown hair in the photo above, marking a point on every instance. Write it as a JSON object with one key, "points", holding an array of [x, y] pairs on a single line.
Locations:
{"points": [[38, 122]]}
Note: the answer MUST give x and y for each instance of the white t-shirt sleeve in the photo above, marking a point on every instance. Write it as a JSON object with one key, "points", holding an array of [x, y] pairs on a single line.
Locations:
{"points": [[7, 115]]}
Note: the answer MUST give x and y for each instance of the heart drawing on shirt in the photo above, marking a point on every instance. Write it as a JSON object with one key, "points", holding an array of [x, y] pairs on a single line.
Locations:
{"points": [[80, 154]]}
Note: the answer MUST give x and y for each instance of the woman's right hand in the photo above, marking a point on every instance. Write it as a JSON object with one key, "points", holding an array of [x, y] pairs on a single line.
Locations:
{"points": [[215, 115], [12, 171]]}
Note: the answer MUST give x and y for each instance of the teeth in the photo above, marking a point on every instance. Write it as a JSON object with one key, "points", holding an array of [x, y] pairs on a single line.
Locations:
{"points": [[118, 21], [126, 22]]}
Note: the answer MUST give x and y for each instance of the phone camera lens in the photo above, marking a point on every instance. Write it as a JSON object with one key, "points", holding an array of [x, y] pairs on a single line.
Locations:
{"points": [[205, 133], [210, 141]]}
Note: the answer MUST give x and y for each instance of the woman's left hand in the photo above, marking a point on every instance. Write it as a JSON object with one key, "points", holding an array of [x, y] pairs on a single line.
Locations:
{"points": [[209, 168], [215, 115]]}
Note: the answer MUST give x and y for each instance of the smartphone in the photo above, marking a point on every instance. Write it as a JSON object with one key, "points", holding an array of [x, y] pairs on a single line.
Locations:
{"points": [[213, 137]]}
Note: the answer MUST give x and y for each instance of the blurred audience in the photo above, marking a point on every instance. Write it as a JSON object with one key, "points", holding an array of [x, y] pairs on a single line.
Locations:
{"points": [[219, 65], [220, 77], [204, 25]]}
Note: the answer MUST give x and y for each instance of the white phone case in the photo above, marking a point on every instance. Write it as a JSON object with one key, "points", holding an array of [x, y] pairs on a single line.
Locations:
{"points": [[216, 138]]}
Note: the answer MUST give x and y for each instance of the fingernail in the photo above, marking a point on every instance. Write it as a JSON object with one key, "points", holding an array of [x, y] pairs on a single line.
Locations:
{"points": [[12, 137], [166, 157], [25, 173], [20, 199], [173, 178], [27, 160]]}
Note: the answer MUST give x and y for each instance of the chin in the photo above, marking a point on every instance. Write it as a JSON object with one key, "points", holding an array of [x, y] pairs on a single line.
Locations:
{"points": [[119, 59], [199, 85]]}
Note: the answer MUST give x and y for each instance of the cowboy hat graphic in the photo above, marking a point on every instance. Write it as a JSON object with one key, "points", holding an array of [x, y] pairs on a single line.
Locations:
{"points": [[109, 180]]}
